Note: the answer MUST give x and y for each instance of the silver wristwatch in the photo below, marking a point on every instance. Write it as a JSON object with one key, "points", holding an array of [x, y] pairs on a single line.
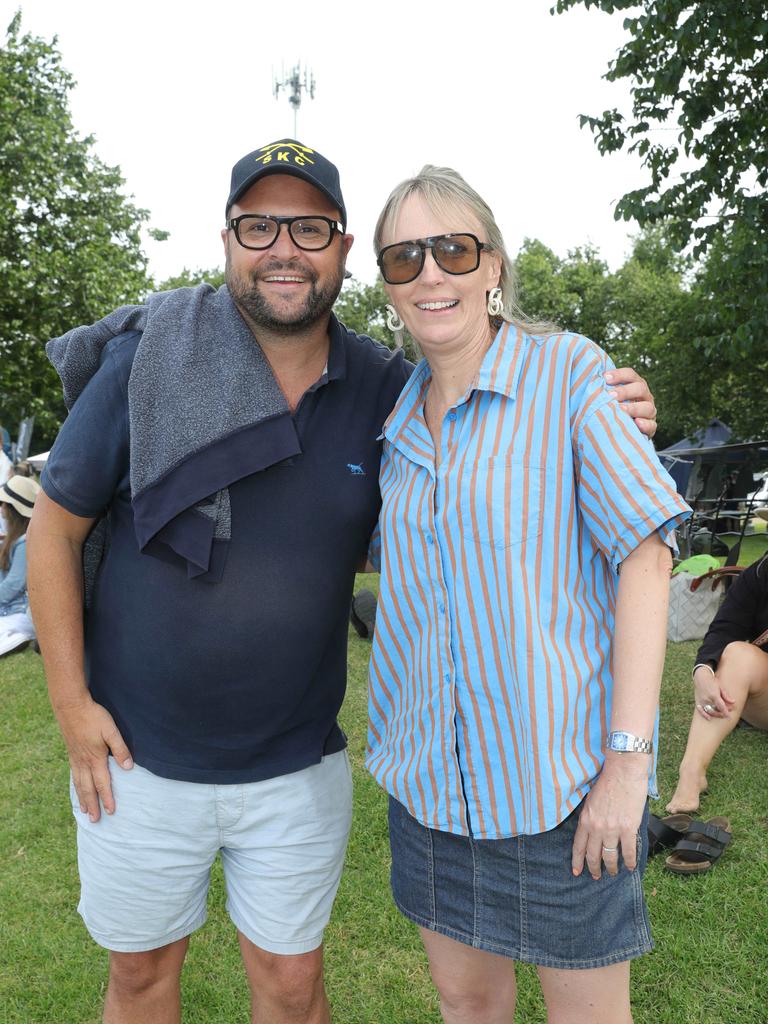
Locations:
{"points": [[627, 743]]}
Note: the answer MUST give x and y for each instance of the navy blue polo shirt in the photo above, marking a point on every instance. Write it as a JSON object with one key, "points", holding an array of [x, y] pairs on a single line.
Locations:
{"points": [[239, 680]]}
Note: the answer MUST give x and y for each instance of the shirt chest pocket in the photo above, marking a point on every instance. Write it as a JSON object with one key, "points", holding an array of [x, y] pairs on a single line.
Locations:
{"points": [[502, 501]]}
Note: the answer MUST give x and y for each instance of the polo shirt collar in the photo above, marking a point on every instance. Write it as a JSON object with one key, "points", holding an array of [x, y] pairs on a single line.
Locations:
{"points": [[336, 368], [336, 364]]}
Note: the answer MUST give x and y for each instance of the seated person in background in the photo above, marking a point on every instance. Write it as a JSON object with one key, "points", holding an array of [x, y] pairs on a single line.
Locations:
{"points": [[730, 680], [17, 499]]}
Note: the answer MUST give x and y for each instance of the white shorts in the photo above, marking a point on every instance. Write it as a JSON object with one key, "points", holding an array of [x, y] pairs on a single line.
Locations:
{"points": [[144, 870]]}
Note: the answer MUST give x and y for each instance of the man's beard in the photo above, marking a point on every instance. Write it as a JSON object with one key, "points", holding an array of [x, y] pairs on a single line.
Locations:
{"points": [[262, 312]]}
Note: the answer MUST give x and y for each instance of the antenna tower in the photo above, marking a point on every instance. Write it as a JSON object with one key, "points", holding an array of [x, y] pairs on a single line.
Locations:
{"points": [[294, 83]]}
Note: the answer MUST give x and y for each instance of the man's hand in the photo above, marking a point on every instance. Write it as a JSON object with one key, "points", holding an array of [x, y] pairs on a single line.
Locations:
{"points": [[632, 392], [90, 734], [55, 581]]}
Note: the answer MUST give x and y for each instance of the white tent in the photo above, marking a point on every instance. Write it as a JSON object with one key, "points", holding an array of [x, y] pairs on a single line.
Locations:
{"points": [[38, 461]]}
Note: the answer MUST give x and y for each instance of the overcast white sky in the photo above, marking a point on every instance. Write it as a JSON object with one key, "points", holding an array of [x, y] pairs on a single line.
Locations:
{"points": [[175, 93]]}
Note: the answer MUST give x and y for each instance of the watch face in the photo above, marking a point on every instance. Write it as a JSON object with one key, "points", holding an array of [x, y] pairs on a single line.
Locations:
{"points": [[620, 741], [627, 742]]}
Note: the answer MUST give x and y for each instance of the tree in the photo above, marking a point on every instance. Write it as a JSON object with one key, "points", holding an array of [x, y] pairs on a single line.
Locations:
{"points": [[647, 315], [634, 313], [573, 293], [70, 247], [702, 64], [361, 307], [189, 278], [721, 305], [651, 329]]}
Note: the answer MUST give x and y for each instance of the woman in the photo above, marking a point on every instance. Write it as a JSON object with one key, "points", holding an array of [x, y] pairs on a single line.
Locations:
{"points": [[730, 680], [513, 490], [17, 499]]}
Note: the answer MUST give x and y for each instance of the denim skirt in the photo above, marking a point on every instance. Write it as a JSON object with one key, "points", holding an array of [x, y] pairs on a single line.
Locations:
{"points": [[517, 897]]}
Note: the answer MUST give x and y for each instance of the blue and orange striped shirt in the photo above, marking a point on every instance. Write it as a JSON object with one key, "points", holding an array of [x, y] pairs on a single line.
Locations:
{"points": [[490, 678]]}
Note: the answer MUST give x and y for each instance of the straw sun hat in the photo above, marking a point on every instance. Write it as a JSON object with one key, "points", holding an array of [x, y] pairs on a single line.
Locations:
{"points": [[21, 492]]}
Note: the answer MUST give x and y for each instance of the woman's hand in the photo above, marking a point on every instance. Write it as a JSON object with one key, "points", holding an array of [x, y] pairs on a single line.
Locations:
{"points": [[635, 397], [611, 815], [711, 699]]}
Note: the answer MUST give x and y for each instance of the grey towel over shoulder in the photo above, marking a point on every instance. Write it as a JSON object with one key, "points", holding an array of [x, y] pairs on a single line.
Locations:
{"points": [[200, 386]]}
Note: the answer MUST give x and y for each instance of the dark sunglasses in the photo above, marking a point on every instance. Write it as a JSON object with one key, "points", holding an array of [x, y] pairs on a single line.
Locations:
{"points": [[261, 231], [455, 254]]}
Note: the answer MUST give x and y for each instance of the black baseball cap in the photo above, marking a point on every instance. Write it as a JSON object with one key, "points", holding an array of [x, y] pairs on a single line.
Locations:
{"points": [[288, 157]]}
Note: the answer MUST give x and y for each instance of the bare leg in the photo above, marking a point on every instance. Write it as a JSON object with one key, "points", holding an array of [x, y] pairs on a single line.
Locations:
{"points": [[285, 989], [144, 987], [596, 996], [742, 674], [475, 987]]}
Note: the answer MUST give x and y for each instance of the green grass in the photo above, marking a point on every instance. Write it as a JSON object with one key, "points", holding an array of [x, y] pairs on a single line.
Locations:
{"points": [[711, 932], [753, 547]]}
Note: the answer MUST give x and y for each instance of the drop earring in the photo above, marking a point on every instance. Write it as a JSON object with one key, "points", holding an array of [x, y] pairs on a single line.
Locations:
{"points": [[495, 303], [395, 324]]}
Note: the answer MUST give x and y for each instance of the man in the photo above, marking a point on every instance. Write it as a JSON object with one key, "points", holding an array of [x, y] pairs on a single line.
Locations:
{"points": [[232, 439]]}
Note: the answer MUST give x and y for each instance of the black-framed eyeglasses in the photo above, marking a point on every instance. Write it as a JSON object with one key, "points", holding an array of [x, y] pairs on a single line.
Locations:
{"points": [[454, 253], [261, 230]]}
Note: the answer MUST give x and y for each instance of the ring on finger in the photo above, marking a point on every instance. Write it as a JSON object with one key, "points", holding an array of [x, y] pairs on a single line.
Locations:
{"points": [[610, 849], [710, 708]]}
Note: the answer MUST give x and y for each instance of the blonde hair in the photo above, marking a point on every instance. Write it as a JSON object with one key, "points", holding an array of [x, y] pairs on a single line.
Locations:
{"points": [[445, 191]]}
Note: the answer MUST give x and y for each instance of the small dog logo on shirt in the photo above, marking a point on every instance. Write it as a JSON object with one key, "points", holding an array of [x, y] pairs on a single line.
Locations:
{"points": [[355, 469]]}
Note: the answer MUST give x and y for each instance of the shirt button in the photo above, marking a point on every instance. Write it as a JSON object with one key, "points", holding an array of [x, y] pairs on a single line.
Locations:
{"points": [[447, 677], [442, 609], [430, 539], [452, 415]]}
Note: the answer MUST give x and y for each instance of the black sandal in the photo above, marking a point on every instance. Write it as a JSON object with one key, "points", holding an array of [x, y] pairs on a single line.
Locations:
{"points": [[703, 846], [664, 833]]}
